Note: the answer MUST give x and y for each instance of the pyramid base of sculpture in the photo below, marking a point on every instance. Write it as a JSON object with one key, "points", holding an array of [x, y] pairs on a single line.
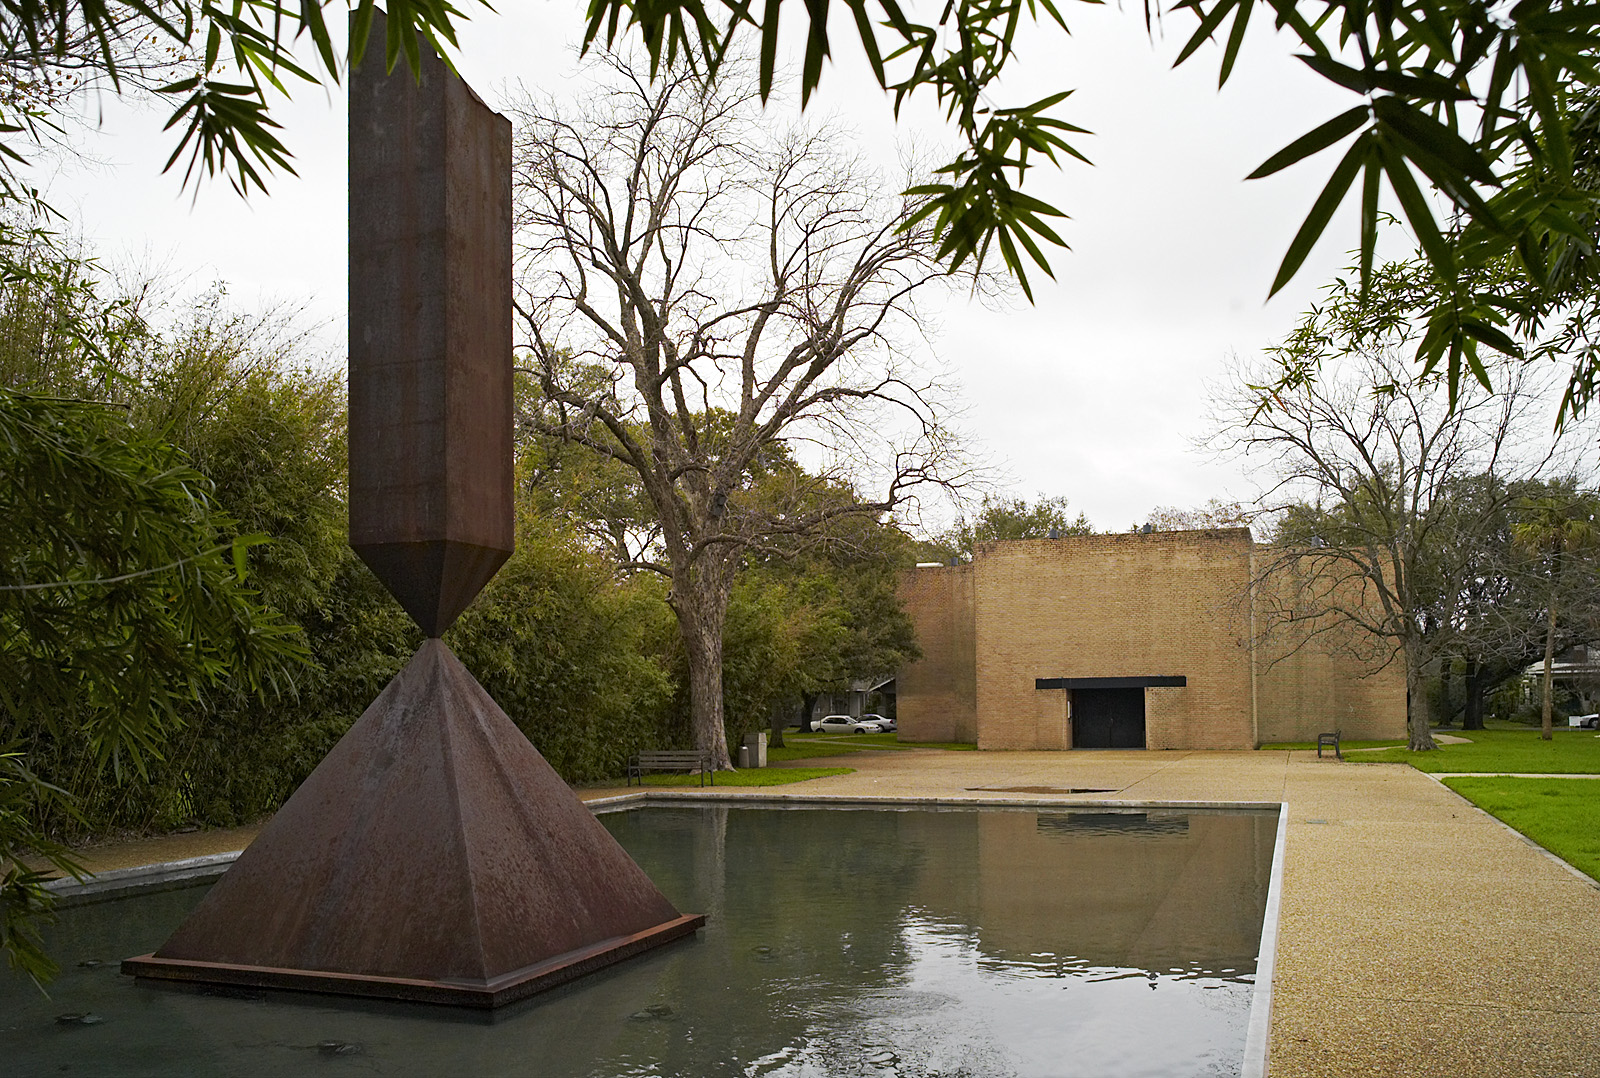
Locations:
{"points": [[433, 855], [509, 988]]}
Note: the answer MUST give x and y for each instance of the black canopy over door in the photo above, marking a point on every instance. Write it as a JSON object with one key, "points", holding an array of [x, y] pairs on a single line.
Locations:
{"points": [[1108, 718]]}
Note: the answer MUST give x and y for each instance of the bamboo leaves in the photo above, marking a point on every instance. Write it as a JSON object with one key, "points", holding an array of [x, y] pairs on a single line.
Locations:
{"points": [[117, 602], [976, 201], [238, 52]]}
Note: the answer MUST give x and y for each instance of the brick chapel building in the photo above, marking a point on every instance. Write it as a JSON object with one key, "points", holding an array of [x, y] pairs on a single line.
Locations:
{"points": [[1125, 641]]}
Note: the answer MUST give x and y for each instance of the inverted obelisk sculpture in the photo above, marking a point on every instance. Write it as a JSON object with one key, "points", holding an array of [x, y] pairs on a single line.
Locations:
{"points": [[434, 854]]}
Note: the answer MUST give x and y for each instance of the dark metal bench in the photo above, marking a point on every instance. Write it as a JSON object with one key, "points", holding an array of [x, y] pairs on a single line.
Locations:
{"points": [[687, 761], [1330, 741]]}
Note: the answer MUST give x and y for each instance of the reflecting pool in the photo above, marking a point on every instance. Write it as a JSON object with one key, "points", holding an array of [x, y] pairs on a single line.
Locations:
{"points": [[838, 942]]}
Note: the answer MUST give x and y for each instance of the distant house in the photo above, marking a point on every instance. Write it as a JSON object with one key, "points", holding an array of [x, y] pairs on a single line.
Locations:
{"points": [[1574, 677], [1125, 641], [857, 700]]}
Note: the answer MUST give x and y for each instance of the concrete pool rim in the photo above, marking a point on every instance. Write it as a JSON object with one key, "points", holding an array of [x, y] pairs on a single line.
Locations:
{"points": [[119, 883]]}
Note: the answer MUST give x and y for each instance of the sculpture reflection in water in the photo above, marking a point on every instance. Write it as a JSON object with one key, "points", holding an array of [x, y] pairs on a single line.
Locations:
{"points": [[433, 855]]}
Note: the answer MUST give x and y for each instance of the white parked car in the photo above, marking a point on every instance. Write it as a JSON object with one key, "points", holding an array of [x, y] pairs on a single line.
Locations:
{"points": [[1589, 722], [844, 724], [885, 724]]}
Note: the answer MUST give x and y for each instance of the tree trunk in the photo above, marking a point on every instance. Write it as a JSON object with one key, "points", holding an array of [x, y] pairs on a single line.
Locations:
{"points": [[808, 707], [1549, 660], [1446, 701], [1472, 717], [700, 620], [1417, 735], [779, 720]]}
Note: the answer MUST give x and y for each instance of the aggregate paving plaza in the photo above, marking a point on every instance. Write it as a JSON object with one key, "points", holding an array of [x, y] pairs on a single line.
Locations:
{"points": [[1418, 935]]}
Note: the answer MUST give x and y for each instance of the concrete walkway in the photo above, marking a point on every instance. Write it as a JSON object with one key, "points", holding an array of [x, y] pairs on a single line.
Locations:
{"points": [[1419, 936]]}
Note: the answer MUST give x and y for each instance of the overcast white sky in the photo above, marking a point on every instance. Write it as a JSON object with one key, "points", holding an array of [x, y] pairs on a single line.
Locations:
{"points": [[1095, 393]]}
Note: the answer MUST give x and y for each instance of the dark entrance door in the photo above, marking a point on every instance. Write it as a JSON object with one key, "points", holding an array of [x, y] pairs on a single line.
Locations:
{"points": [[1108, 718]]}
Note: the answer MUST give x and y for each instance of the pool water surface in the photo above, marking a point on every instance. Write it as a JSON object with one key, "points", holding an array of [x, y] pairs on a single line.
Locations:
{"points": [[838, 942]]}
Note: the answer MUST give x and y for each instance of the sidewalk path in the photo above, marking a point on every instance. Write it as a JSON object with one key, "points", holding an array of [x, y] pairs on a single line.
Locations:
{"points": [[1419, 936]]}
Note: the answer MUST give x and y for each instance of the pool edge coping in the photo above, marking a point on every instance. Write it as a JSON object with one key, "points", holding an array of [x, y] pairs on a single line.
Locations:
{"points": [[117, 882], [669, 795], [158, 875], [1258, 1035]]}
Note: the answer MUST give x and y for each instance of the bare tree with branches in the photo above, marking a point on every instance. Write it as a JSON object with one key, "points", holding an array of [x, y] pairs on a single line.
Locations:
{"points": [[1373, 550], [707, 302]]}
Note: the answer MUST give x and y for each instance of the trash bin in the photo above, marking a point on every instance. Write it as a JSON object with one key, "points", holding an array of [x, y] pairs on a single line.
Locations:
{"points": [[753, 753]]}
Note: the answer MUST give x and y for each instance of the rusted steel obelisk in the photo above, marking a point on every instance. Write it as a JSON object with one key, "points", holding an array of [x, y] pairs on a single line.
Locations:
{"points": [[433, 855]]}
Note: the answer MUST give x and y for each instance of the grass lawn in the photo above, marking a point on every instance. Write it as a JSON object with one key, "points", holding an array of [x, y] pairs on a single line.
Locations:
{"points": [[1562, 815], [753, 776], [1575, 752], [805, 750], [1344, 746]]}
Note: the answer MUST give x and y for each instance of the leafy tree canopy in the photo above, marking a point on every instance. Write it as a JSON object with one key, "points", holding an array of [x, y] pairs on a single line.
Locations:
{"points": [[1001, 517]]}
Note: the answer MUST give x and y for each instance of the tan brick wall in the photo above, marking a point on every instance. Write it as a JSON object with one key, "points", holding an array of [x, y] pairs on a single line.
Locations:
{"points": [[1115, 606], [1168, 603], [936, 697], [1319, 677]]}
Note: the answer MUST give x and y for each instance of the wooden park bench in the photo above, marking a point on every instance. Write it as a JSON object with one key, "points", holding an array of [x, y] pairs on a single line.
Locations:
{"points": [[1329, 741], [685, 760]]}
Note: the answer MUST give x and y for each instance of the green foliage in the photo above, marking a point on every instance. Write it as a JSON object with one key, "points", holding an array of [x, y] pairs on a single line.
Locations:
{"points": [[123, 606], [1562, 815], [1557, 525], [842, 619], [230, 60], [763, 651], [801, 626], [1532, 714], [121, 590], [237, 397], [24, 903], [1002, 518], [813, 603], [1557, 528], [1476, 103], [58, 332], [571, 653]]}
